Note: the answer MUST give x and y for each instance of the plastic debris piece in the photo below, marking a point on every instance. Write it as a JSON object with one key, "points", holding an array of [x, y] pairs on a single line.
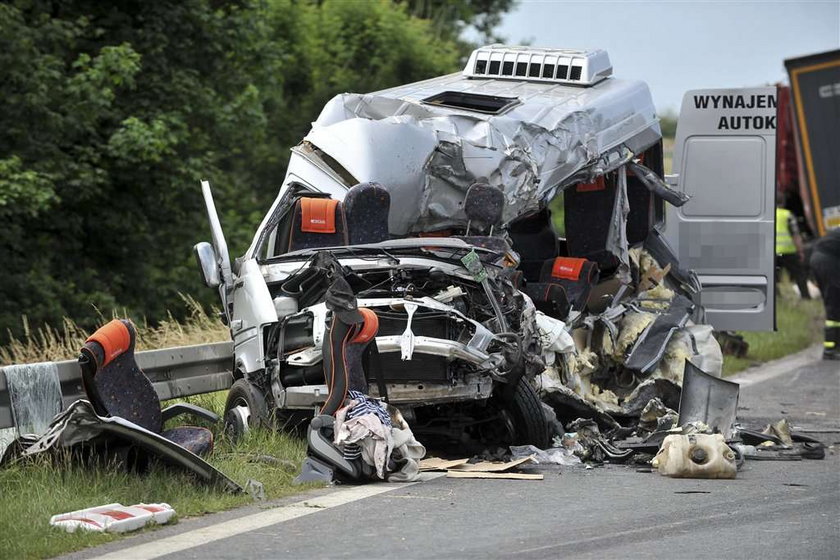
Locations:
{"points": [[255, 489], [695, 456], [113, 518], [781, 430], [553, 456]]}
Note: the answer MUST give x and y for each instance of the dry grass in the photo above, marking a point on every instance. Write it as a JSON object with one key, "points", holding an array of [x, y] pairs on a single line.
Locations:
{"points": [[50, 344]]}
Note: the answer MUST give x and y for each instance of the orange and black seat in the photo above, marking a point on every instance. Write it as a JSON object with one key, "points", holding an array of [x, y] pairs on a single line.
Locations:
{"points": [[116, 386], [565, 283], [317, 222]]}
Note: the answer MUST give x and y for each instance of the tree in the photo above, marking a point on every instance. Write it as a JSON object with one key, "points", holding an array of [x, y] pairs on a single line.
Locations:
{"points": [[113, 112]]}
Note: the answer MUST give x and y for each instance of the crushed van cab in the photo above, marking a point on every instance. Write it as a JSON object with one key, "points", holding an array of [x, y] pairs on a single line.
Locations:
{"points": [[412, 251]]}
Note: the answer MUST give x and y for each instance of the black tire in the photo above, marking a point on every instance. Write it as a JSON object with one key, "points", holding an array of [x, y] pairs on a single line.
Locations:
{"points": [[245, 409], [530, 422]]}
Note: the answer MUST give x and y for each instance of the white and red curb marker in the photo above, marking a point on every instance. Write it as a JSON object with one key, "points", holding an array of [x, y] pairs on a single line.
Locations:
{"points": [[113, 518]]}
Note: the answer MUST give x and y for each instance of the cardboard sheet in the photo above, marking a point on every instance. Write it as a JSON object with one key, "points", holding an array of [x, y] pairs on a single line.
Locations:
{"points": [[490, 467], [438, 464], [503, 475]]}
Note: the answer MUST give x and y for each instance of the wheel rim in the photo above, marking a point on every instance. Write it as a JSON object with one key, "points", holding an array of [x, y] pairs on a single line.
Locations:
{"points": [[237, 419]]}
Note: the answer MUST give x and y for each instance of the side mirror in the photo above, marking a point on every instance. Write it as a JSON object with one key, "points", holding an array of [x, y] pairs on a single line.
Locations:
{"points": [[205, 256]]}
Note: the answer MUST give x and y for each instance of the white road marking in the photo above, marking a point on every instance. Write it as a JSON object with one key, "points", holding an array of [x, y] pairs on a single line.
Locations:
{"points": [[225, 529]]}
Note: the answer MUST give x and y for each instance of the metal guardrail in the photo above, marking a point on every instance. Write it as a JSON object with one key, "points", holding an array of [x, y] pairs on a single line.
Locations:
{"points": [[175, 372]]}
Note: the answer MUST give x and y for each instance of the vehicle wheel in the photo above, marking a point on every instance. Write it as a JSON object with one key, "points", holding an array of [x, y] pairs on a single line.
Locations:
{"points": [[245, 408], [292, 421], [529, 420]]}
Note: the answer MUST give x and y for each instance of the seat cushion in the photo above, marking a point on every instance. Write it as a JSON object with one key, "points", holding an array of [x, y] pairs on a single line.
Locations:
{"points": [[550, 298], [194, 439]]}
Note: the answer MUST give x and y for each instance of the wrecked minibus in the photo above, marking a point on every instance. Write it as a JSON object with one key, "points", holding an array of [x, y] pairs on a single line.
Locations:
{"points": [[411, 252]]}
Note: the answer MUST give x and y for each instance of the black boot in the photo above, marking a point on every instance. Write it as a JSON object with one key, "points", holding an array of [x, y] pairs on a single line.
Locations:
{"points": [[831, 346]]}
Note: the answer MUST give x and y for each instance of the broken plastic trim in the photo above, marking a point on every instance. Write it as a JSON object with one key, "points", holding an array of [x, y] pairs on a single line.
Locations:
{"points": [[656, 185]]}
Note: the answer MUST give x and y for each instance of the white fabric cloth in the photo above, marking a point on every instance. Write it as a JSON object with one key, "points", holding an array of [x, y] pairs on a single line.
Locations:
{"points": [[370, 434]]}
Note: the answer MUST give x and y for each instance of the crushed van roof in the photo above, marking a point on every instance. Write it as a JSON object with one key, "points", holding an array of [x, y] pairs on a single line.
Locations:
{"points": [[427, 155]]}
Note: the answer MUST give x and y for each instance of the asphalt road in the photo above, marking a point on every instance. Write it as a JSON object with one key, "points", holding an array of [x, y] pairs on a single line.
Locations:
{"points": [[774, 509]]}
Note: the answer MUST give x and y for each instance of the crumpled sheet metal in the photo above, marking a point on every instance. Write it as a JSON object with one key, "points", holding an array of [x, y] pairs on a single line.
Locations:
{"points": [[418, 150], [35, 398], [617, 234], [80, 424]]}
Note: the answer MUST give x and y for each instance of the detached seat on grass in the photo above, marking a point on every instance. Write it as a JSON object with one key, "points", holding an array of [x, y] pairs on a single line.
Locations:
{"points": [[116, 386]]}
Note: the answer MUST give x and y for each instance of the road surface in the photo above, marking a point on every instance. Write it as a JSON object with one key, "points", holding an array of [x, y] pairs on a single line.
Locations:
{"points": [[774, 509]]}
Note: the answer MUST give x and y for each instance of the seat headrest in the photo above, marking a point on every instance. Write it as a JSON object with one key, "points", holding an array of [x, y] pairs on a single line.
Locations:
{"points": [[115, 338], [484, 204], [318, 215]]}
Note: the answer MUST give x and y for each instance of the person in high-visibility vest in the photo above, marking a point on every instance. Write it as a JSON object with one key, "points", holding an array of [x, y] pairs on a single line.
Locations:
{"points": [[825, 263], [789, 251]]}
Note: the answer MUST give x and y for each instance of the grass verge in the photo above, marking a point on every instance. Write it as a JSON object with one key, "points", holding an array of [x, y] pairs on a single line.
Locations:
{"points": [[55, 344], [32, 491], [799, 325], [35, 489]]}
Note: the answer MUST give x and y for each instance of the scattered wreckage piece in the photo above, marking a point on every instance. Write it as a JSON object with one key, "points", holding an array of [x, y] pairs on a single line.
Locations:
{"points": [[122, 416], [28, 400], [497, 475], [462, 468], [113, 518], [778, 442], [492, 466], [80, 424], [438, 464], [561, 455], [695, 456], [708, 399]]}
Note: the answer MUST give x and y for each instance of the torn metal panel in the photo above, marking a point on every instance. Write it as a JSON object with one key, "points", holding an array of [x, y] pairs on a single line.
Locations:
{"points": [[35, 395], [427, 155], [709, 400], [80, 424]]}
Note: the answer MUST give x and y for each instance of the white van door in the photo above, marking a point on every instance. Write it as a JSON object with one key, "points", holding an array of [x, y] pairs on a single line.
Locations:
{"points": [[725, 159]]}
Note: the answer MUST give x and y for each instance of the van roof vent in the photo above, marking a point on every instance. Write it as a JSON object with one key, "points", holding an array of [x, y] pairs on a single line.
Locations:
{"points": [[560, 66]]}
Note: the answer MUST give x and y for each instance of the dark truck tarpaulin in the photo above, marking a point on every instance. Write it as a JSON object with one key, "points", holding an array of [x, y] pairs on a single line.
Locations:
{"points": [[815, 85]]}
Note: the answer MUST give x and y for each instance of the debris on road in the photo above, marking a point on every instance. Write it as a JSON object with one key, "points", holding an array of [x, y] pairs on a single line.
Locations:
{"points": [[551, 456], [695, 456], [462, 468], [438, 464], [500, 475], [113, 518]]}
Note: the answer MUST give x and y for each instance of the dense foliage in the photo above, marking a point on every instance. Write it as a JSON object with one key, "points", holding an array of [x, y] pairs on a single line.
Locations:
{"points": [[113, 112]]}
